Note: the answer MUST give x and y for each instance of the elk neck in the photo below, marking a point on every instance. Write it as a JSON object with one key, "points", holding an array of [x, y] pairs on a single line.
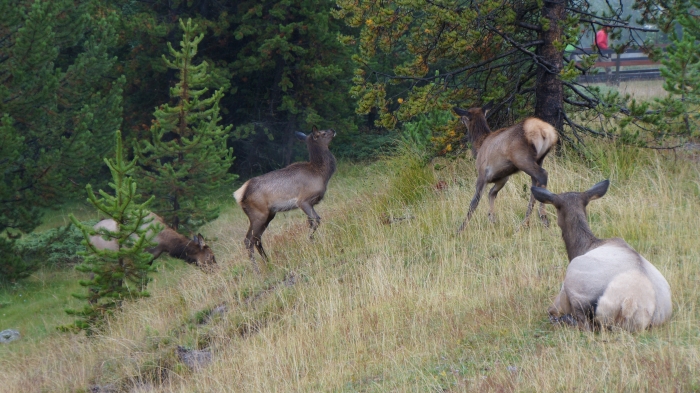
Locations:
{"points": [[322, 159], [478, 130], [578, 237], [179, 246]]}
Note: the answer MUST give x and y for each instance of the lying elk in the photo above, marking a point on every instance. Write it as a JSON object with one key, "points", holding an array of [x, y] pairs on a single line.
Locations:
{"points": [[299, 185], [607, 282], [168, 240], [499, 154]]}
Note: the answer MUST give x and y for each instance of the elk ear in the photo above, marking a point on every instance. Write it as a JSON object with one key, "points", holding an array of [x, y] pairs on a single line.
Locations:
{"points": [[300, 135], [314, 132], [462, 112], [543, 195], [486, 108], [597, 191], [198, 240]]}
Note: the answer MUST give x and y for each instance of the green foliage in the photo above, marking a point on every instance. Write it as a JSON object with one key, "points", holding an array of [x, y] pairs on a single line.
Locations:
{"points": [[681, 71], [54, 248], [360, 146], [291, 73], [118, 274], [415, 57], [186, 156], [428, 132], [59, 98], [12, 266]]}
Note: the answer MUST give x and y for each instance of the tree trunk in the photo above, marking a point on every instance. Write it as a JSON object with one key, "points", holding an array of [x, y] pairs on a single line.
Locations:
{"points": [[549, 93]]}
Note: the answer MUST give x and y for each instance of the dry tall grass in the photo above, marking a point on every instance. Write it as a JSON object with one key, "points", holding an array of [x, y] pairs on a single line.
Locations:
{"points": [[408, 306]]}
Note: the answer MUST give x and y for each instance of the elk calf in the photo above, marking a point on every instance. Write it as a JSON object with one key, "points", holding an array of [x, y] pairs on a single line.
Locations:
{"points": [[168, 240], [299, 185], [499, 154], [607, 282]]}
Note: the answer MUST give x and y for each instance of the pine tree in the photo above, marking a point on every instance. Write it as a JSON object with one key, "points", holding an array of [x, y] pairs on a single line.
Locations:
{"points": [[121, 274], [291, 73], [186, 156], [279, 62], [423, 55], [681, 71], [60, 99]]}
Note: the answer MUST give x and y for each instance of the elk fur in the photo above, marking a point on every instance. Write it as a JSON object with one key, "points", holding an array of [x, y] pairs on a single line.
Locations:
{"points": [[299, 185], [607, 282], [193, 250], [500, 154]]}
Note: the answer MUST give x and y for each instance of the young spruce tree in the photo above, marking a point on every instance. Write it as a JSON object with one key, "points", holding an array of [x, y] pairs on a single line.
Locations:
{"points": [[186, 156], [121, 274], [681, 71]]}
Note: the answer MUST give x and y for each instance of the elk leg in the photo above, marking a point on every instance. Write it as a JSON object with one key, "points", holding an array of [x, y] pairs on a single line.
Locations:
{"points": [[314, 218], [492, 197], [480, 185], [258, 244], [539, 179], [258, 223], [530, 205], [543, 215]]}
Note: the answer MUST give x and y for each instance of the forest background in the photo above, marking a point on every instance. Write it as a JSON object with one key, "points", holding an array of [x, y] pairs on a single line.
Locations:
{"points": [[74, 72]]}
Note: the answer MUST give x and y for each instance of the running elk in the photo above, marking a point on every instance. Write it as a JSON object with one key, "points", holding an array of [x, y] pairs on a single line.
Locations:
{"points": [[168, 240], [499, 154], [299, 185], [607, 282]]}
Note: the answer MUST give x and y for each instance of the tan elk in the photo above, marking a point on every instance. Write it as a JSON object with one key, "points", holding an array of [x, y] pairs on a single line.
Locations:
{"points": [[500, 154], [193, 250], [607, 282], [299, 185]]}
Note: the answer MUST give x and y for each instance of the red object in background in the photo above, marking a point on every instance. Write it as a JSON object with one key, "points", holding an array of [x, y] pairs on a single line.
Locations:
{"points": [[601, 39]]}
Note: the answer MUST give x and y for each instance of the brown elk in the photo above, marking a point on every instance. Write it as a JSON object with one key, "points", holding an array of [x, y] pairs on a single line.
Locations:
{"points": [[299, 185], [607, 282], [499, 154], [193, 250]]}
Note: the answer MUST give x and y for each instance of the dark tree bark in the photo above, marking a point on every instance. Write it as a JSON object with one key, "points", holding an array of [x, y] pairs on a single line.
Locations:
{"points": [[549, 91]]}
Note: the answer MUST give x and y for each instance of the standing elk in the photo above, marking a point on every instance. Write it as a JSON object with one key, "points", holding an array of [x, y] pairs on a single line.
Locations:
{"points": [[499, 154], [167, 240], [607, 282], [299, 185]]}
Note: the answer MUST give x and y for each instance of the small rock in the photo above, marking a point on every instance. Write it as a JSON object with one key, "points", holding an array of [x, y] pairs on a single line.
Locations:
{"points": [[194, 358], [9, 335], [512, 369]]}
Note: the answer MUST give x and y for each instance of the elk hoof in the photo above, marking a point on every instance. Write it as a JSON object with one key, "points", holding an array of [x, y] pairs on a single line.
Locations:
{"points": [[545, 221], [492, 218]]}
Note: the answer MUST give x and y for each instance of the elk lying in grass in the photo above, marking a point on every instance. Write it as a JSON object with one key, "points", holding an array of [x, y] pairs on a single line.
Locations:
{"points": [[499, 154], [607, 282], [300, 185], [168, 240]]}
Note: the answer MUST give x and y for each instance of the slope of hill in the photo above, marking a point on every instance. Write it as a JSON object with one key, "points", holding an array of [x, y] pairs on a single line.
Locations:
{"points": [[389, 298]]}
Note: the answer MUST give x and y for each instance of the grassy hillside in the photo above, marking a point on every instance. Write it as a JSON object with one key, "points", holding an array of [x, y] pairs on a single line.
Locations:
{"points": [[389, 298]]}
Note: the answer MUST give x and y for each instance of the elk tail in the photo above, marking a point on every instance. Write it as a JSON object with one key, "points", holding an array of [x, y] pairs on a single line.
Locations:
{"points": [[540, 134], [240, 193]]}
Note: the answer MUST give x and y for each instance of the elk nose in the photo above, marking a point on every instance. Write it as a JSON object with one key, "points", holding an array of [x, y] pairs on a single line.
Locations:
{"points": [[334, 133]]}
